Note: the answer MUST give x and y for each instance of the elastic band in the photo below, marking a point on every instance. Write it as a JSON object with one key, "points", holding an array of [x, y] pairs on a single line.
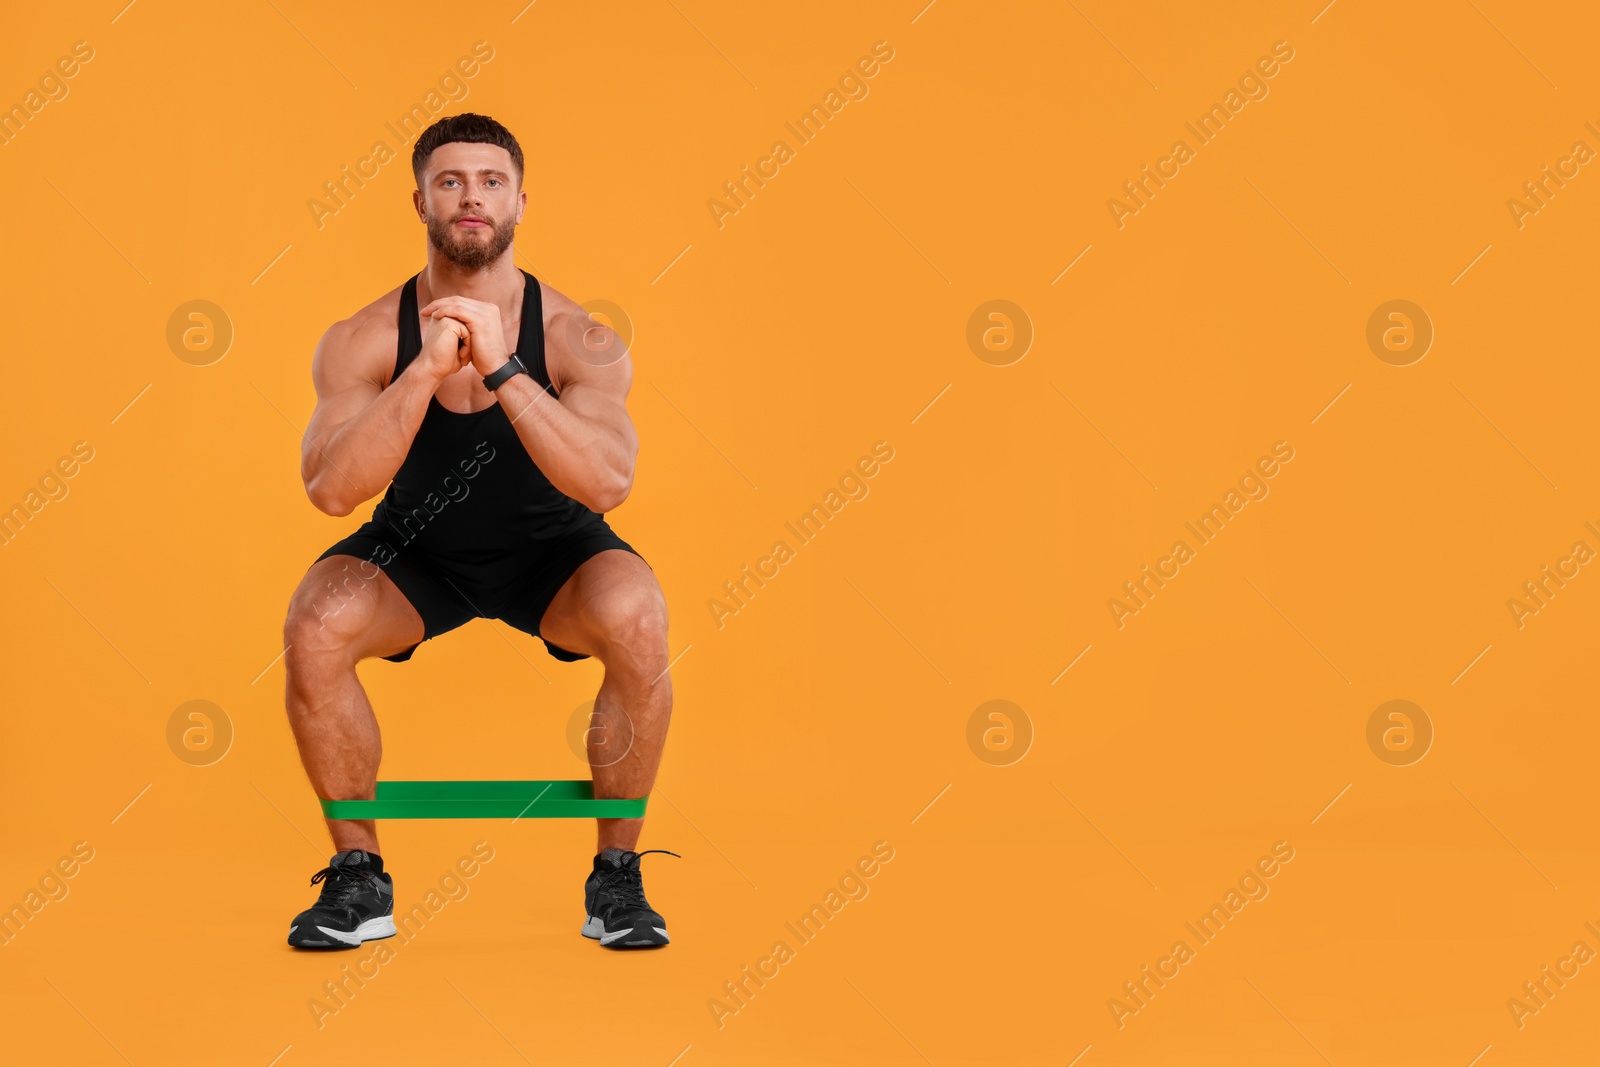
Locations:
{"points": [[558, 799]]}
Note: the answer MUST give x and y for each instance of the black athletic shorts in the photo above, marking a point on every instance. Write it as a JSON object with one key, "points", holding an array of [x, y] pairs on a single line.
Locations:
{"points": [[447, 593]]}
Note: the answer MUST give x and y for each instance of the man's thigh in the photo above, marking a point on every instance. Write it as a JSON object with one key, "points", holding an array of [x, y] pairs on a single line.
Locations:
{"points": [[349, 603], [583, 616]]}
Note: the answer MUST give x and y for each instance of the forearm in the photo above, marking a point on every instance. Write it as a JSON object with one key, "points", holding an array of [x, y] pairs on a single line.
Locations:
{"points": [[584, 461], [359, 458]]}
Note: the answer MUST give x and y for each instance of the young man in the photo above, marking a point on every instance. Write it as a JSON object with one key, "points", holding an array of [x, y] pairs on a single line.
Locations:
{"points": [[492, 408]]}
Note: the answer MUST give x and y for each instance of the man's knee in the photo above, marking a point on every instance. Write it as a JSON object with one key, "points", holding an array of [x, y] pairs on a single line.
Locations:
{"points": [[631, 624], [330, 610]]}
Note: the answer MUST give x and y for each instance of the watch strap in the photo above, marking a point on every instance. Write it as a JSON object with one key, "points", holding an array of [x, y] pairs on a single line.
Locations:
{"points": [[512, 367]]}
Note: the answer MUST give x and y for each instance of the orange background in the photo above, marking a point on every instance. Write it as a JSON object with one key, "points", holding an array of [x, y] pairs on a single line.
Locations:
{"points": [[1225, 716]]}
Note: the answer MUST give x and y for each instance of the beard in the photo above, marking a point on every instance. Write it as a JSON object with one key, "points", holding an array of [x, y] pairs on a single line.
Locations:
{"points": [[465, 248]]}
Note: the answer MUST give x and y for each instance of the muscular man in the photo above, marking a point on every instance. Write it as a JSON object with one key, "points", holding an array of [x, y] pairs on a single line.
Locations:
{"points": [[492, 407]]}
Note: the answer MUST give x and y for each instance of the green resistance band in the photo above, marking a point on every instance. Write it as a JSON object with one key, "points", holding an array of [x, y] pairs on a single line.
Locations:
{"points": [[561, 799]]}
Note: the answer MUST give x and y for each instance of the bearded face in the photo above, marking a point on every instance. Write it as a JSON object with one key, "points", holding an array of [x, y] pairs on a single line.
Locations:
{"points": [[470, 247]]}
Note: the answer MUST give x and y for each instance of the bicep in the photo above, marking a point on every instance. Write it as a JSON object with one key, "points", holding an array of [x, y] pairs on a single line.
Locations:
{"points": [[344, 386], [598, 391], [603, 408]]}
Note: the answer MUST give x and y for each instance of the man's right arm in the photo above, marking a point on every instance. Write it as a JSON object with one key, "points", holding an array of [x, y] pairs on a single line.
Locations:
{"points": [[360, 432]]}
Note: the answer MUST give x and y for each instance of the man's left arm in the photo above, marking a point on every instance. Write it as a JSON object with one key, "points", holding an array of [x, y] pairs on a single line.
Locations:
{"points": [[584, 441]]}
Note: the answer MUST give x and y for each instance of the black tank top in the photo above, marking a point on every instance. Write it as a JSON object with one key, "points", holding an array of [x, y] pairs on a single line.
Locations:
{"points": [[468, 489]]}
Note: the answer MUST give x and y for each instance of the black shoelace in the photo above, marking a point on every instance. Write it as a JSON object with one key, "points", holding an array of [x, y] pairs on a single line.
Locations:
{"points": [[624, 883], [340, 884]]}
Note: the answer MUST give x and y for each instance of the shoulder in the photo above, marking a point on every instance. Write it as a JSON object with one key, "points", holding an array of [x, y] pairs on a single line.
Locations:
{"points": [[365, 343], [559, 310], [577, 344]]}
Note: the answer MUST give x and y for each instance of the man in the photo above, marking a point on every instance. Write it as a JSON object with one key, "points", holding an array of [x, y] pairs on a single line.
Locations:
{"points": [[492, 407]]}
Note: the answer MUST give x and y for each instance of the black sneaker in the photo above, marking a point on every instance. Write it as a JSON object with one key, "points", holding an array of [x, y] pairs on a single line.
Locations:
{"points": [[356, 905], [613, 899]]}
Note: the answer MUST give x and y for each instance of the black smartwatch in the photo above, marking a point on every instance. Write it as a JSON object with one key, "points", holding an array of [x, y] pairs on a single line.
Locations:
{"points": [[513, 366]]}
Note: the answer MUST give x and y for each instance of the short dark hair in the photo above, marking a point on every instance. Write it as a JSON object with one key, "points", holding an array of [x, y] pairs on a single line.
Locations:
{"points": [[474, 129]]}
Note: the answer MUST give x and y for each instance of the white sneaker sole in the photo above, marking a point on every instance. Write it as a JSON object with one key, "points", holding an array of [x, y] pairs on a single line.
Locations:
{"points": [[595, 929], [371, 930]]}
